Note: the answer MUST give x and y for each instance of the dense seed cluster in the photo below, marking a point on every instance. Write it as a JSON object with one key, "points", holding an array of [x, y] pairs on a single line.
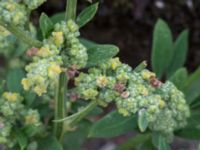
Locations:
{"points": [[135, 91], [44, 71], [12, 114], [17, 11], [174, 113], [62, 48], [74, 52], [13, 12], [33, 4]]}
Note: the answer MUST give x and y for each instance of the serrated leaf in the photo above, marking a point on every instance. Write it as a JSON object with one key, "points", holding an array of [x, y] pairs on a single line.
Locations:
{"points": [[87, 14], [160, 142], [49, 143], [113, 124], [192, 86], [13, 80], [162, 49], [142, 120], [101, 53], [179, 78], [46, 25], [180, 50]]}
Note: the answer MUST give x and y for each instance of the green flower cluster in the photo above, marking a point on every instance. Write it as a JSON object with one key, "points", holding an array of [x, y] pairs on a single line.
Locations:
{"points": [[61, 47], [33, 4], [74, 52], [100, 83], [12, 114], [16, 11], [174, 113], [133, 92], [44, 71], [13, 12]]}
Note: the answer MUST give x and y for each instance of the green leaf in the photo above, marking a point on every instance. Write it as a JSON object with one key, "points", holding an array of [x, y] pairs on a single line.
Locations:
{"points": [[192, 130], [46, 25], [192, 86], [101, 53], [14, 80], [22, 139], [49, 143], [142, 120], [147, 145], [74, 140], [113, 124], [58, 17], [160, 142], [87, 14], [29, 98], [179, 78], [87, 43], [30, 130], [162, 49], [195, 104], [21, 49], [189, 133], [179, 52], [194, 120], [131, 143]]}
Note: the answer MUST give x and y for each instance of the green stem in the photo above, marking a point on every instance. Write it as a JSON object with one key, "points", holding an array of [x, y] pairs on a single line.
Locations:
{"points": [[60, 106], [71, 10], [72, 120], [22, 35]]}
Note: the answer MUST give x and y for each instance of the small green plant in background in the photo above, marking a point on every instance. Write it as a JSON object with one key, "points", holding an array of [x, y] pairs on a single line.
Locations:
{"points": [[48, 102]]}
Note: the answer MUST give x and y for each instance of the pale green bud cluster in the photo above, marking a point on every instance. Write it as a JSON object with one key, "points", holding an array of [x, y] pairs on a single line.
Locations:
{"points": [[43, 72], [13, 12], [96, 85], [175, 112], [74, 52], [33, 4], [13, 112], [132, 91]]}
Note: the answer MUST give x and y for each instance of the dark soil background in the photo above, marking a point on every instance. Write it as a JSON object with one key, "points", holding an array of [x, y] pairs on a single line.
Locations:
{"points": [[129, 25]]}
